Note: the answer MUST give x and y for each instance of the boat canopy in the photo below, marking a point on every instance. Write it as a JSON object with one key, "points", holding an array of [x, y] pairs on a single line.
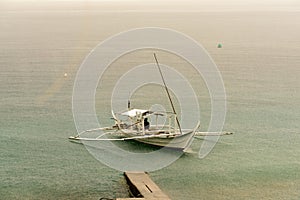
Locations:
{"points": [[135, 112]]}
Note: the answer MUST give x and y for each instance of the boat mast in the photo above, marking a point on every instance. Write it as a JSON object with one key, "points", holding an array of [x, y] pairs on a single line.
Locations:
{"points": [[167, 90]]}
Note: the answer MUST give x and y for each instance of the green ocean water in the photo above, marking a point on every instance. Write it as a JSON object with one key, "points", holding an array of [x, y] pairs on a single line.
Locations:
{"points": [[259, 63]]}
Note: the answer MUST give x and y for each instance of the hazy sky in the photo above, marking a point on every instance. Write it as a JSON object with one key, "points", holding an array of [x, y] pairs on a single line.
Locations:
{"points": [[158, 5]]}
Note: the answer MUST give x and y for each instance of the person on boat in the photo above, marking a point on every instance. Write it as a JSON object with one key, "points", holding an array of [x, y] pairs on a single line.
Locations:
{"points": [[146, 124]]}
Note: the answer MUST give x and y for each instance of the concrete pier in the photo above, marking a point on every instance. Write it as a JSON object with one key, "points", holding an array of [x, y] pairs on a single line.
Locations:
{"points": [[142, 187]]}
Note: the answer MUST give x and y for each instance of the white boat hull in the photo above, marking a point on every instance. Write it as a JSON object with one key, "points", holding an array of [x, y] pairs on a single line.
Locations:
{"points": [[157, 137], [177, 142]]}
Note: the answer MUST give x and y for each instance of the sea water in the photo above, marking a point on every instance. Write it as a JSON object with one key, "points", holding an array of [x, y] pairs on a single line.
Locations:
{"points": [[259, 62]]}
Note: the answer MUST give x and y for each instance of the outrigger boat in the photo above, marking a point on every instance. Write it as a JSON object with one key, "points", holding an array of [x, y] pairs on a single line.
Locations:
{"points": [[137, 127]]}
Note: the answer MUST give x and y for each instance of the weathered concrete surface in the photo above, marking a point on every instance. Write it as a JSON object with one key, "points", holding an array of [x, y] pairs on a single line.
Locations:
{"points": [[142, 186]]}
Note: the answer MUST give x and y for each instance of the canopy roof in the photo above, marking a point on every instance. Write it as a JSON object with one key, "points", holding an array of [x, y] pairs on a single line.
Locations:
{"points": [[134, 112]]}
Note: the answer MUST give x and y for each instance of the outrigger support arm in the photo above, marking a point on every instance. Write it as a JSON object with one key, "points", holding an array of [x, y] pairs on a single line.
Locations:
{"points": [[167, 90]]}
